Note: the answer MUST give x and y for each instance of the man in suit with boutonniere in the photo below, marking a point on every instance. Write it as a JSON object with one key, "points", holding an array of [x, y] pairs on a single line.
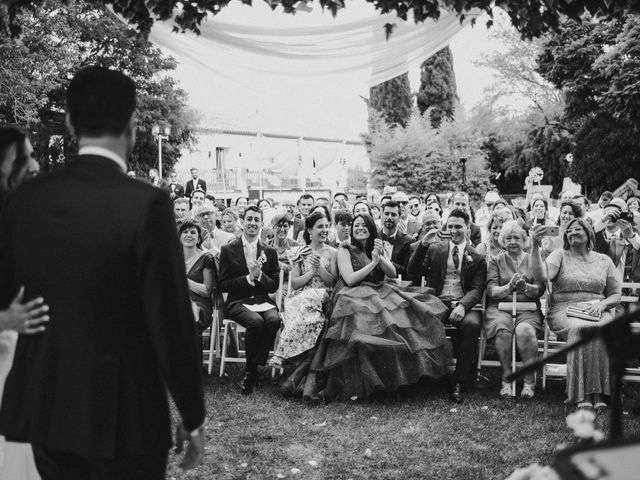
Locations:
{"points": [[457, 273], [90, 393], [194, 184], [249, 273]]}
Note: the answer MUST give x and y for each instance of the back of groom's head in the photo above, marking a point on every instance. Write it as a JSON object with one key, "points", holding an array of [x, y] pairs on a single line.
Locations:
{"points": [[100, 102]]}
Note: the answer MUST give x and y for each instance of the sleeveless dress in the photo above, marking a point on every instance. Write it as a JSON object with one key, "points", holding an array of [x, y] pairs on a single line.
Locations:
{"points": [[579, 281], [203, 304], [303, 317], [380, 337]]}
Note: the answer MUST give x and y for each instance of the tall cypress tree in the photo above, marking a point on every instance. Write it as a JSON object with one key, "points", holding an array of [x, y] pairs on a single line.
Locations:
{"points": [[393, 100], [438, 89]]}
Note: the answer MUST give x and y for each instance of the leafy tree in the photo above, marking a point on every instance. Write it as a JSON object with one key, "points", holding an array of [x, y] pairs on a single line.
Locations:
{"points": [[393, 100], [532, 18], [438, 90], [597, 65], [531, 134], [418, 158], [57, 39]]}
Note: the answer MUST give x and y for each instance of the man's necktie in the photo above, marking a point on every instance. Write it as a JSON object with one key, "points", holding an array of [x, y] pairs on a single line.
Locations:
{"points": [[456, 259]]}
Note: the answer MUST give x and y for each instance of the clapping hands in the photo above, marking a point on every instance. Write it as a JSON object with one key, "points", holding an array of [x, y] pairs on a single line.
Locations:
{"points": [[314, 261], [255, 269], [378, 250]]}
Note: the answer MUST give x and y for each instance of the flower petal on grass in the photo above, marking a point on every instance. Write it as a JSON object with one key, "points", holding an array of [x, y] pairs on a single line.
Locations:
{"points": [[313, 463], [295, 471], [368, 453]]}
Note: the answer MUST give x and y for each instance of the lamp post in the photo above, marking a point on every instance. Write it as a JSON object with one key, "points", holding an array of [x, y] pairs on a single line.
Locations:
{"points": [[463, 172], [156, 131]]}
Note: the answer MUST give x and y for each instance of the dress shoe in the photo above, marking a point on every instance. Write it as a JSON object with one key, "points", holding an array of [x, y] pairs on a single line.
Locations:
{"points": [[456, 394], [248, 383]]}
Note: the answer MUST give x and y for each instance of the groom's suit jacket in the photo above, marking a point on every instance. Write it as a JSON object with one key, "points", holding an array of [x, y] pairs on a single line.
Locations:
{"points": [[233, 273], [103, 251]]}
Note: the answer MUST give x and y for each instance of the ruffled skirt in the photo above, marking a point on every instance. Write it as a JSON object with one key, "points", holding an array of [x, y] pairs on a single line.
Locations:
{"points": [[380, 337]]}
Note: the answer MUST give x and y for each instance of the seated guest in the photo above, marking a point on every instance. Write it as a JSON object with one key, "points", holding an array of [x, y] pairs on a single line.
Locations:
{"points": [[314, 272], [460, 200], [376, 214], [360, 208], [201, 273], [324, 209], [214, 238], [249, 272], [454, 269], [395, 243], [305, 204], [430, 220], [633, 205], [284, 246], [180, 209], [569, 210], [618, 238], [197, 199], [492, 247], [508, 272], [407, 223], [343, 220], [337, 205], [538, 212], [380, 336], [579, 274], [229, 222]]}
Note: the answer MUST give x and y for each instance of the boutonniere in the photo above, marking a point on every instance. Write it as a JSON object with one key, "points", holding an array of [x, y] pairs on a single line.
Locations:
{"points": [[469, 258], [262, 259]]}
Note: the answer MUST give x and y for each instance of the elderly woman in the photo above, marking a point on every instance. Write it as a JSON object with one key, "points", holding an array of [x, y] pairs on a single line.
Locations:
{"points": [[579, 275], [508, 272], [201, 273]]}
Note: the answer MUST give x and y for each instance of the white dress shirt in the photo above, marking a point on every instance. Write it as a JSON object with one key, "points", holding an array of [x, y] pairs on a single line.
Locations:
{"points": [[103, 152]]}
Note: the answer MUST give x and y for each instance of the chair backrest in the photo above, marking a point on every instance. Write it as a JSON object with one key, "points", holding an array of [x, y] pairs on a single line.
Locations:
{"points": [[633, 292]]}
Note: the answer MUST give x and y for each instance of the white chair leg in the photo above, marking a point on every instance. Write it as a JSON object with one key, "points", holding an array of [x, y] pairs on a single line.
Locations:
{"points": [[223, 356], [514, 316]]}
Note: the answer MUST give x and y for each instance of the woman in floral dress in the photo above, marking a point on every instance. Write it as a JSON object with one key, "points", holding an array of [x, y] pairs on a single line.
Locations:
{"points": [[313, 274]]}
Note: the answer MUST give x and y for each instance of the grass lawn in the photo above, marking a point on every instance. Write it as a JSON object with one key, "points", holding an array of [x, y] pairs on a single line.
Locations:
{"points": [[419, 434]]}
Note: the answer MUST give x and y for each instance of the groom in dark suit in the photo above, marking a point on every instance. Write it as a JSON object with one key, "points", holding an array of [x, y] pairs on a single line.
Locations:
{"points": [[457, 273], [249, 272], [90, 393]]}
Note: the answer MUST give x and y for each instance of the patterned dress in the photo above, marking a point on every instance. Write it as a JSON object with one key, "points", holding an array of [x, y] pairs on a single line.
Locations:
{"points": [[303, 316], [579, 281]]}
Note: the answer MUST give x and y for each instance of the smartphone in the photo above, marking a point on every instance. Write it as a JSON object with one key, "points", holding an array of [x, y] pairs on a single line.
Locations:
{"points": [[551, 231], [628, 216]]}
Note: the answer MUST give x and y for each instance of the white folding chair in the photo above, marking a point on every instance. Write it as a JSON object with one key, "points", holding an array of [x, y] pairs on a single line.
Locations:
{"points": [[514, 307]]}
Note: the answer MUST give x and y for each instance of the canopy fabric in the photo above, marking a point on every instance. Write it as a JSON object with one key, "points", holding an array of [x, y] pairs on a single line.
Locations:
{"points": [[357, 48]]}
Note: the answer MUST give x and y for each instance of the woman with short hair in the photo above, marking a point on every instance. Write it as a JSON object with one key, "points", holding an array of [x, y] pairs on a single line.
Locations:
{"points": [[508, 272]]}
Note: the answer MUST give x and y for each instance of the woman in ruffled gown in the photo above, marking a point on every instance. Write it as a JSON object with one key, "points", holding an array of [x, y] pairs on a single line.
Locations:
{"points": [[381, 336], [313, 274]]}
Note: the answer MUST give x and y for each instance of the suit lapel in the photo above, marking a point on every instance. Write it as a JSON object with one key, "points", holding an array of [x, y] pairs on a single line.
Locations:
{"points": [[444, 257], [241, 257]]}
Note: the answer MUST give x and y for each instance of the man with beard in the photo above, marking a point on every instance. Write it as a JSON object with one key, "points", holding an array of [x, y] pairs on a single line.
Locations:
{"points": [[395, 243]]}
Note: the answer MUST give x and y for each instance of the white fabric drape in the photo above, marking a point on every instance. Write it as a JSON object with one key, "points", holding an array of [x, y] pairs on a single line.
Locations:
{"points": [[358, 48]]}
